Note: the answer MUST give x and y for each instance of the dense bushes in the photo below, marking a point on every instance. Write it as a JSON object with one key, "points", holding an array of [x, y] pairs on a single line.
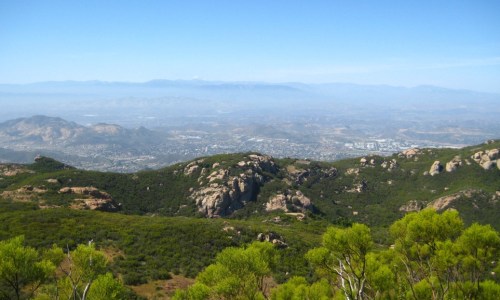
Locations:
{"points": [[434, 257]]}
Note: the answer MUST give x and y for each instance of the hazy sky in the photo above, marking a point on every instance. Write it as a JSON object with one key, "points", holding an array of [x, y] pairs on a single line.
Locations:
{"points": [[447, 43]]}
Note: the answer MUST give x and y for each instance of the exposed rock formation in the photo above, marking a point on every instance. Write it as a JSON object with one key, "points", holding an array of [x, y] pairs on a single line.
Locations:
{"points": [[409, 153], [222, 192], [192, 167], [289, 201], [436, 168], [9, 170], [444, 202], [94, 200], [487, 159], [412, 205], [453, 164], [24, 194], [389, 165], [488, 164], [299, 176], [358, 187], [364, 162], [272, 237], [89, 191], [352, 171]]}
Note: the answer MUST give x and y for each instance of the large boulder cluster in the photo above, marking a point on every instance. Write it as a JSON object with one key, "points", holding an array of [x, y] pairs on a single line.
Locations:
{"points": [[410, 153], [222, 192], [290, 200], [453, 164], [487, 159]]}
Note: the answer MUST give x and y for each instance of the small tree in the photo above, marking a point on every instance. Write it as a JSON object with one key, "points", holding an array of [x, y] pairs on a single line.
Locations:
{"points": [[343, 259], [22, 269], [237, 273], [297, 288], [84, 277], [85, 264], [439, 259]]}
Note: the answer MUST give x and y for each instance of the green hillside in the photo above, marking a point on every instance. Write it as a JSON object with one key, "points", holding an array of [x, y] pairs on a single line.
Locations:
{"points": [[373, 190], [156, 224]]}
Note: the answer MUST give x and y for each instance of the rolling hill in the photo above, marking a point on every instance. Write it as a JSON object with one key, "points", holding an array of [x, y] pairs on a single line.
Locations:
{"points": [[172, 222], [374, 190]]}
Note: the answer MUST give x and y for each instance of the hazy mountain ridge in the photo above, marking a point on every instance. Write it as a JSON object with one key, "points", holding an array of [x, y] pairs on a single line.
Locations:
{"points": [[56, 131], [111, 147]]}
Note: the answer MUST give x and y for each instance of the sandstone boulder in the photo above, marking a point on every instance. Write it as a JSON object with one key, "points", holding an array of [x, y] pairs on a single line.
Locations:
{"points": [[192, 167], [409, 153], [445, 202], [487, 165], [436, 168], [453, 164], [289, 201]]}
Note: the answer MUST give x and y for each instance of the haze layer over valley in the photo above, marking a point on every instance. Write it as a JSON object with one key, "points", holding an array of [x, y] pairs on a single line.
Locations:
{"points": [[118, 126]]}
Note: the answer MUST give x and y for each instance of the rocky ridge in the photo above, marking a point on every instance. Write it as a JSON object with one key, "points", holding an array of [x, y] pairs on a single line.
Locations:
{"points": [[92, 199], [250, 184], [224, 190]]}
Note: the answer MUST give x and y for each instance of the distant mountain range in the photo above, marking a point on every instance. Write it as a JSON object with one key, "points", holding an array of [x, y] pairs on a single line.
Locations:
{"points": [[43, 130], [165, 121], [163, 102], [111, 147], [257, 92], [100, 146]]}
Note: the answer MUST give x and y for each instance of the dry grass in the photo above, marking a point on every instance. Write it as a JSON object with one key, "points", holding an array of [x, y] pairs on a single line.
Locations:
{"points": [[162, 289]]}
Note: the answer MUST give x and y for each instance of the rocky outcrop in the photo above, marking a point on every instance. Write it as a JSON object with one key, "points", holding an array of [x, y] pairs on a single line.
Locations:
{"points": [[10, 170], [445, 202], [299, 176], [352, 171], [409, 153], [221, 199], [389, 165], [94, 199], [436, 168], [222, 191], [411, 206], [88, 191], [487, 159], [95, 204], [289, 201], [365, 162], [358, 187], [273, 238], [453, 164], [25, 193], [192, 167]]}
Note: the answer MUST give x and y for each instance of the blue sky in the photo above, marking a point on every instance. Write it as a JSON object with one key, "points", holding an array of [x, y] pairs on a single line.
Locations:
{"points": [[452, 44]]}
